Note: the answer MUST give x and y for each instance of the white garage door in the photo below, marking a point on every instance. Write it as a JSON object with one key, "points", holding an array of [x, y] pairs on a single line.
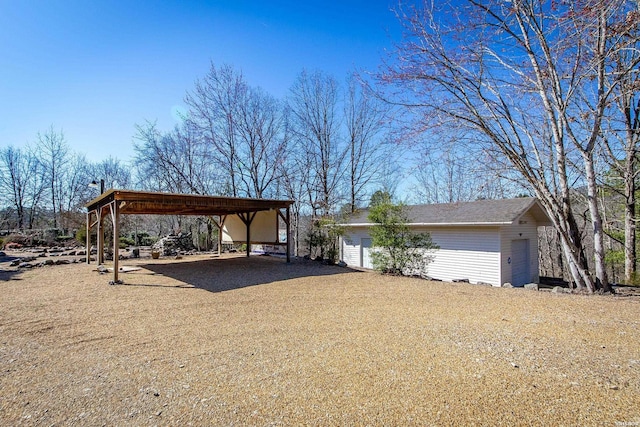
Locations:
{"points": [[365, 245], [520, 274]]}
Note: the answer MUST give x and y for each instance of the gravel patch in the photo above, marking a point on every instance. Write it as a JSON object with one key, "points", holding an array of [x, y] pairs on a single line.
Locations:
{"points": [[236, 341]]}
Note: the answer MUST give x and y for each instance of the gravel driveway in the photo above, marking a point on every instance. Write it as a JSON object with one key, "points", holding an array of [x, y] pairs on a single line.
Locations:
{"points": [[236, 341]]}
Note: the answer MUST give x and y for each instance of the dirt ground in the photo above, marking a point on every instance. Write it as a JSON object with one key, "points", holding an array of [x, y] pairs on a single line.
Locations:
{"points": [[236, 341]]}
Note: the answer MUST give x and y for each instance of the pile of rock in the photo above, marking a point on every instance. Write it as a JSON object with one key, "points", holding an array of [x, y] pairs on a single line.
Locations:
{"points": [[174, 244], [29, 262]]}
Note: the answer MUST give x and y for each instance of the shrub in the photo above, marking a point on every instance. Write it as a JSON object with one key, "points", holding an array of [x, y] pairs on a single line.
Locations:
{"points": [[81, 236], [397, 250], [125, 241], [322, 239]]}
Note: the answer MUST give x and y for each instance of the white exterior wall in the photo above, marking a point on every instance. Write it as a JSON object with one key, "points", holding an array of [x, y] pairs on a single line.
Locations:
{"points": [[525, 228], [465, 252], [263, 228]]}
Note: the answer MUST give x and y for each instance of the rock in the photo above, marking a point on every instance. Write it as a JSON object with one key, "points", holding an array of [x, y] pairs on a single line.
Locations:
{"points": [[2, 254], [460, 280], [532, 286], [342, 264], [484, 284], [25, 265], [507, 285], [174, 243], [62, 261], [79, 253], [560, 290], [17, 262]]}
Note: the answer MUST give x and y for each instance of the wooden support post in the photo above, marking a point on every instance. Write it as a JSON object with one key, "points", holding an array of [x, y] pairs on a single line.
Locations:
{"points": [[247, 222], [88, 239], [248, 243], [115, 218], [100, 237], [222, 220], [288, 220]]}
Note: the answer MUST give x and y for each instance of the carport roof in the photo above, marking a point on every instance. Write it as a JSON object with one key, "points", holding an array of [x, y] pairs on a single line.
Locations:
{"points": [[145, 202]]}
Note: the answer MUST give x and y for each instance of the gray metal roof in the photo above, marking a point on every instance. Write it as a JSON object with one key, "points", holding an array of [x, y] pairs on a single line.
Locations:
{"points": [[481, 212]]}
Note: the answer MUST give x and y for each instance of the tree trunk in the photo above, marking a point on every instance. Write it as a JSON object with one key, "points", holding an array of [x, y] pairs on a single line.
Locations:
{"points": [[602, 281], [629, 225]]}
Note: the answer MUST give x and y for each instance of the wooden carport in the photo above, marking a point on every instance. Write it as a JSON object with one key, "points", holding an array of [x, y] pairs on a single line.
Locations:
{"points": [[114, 203]]}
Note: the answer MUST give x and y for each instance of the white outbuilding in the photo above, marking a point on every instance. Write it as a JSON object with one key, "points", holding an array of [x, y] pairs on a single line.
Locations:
{"points": [[486, 241]]}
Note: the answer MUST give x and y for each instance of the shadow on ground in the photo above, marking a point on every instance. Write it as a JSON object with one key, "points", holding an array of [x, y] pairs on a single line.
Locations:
{"points": [[7, 273], [224, 274]]}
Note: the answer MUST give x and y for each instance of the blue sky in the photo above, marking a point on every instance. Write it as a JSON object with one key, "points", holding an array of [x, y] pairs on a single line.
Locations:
{"points": [[96, 68]]}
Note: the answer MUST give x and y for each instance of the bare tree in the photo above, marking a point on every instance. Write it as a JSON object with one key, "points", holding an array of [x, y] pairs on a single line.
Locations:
{"points": [[52, 152], [314, 102], [20, 183], [177, 161], [213, 112], [114, 172], [453, 169], [245, 128], [447, 176], [365, 119], [622, 126], [263, 138], [527, 80], [295, 174], [75, 192]]}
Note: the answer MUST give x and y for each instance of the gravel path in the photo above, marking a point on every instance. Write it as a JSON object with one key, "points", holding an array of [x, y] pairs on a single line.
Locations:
{"points": [[259, 342]]}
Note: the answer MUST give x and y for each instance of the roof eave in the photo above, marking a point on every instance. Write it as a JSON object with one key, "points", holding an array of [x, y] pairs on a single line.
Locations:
{"points": [[437, 224]]}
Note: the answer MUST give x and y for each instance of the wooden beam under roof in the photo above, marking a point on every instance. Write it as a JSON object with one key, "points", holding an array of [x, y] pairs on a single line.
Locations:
{"points": [[142, 202]]}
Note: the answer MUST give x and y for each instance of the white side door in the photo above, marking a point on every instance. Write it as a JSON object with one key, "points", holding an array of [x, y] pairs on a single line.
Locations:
{"points": [[365, 247], [520, 266]]}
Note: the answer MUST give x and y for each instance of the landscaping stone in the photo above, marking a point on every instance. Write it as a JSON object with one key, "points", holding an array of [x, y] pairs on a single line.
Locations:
{"points": [[174, 243], [532, 286]]}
